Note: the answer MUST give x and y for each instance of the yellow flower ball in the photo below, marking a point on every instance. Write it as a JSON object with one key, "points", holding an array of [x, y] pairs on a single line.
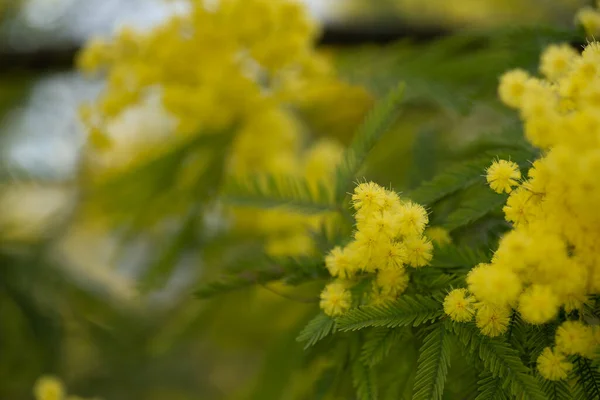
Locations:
{"points": [[459, 306], [419, 251], [336, 299], [502, 175], [573, 337], [494, 285], [556, 60], [492, 320], [538, 304], [49, 388], [512, 87], [552, 365]]}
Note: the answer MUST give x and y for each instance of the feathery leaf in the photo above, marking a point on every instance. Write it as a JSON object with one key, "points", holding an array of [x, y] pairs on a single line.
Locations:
{"points": [[490, 388], [319, 327], [267, 191], [500, 360], [588, 379], [378, 344], [291, 270], [379, 120], [406, 311], [478, 206], [556, 390], [433, 363], [364, 380]]}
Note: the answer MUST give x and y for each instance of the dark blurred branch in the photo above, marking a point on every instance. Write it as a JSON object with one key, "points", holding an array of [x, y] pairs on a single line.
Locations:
{"points": [[333, 35]]}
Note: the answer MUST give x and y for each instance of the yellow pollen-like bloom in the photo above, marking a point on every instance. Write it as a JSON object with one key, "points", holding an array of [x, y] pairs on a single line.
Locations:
{"points": [[340, 263], [573, 337], [419, 251], [459, 305], [552, 365], [49, 388], [556, 61], [388, 236], [412, 219], [438, 235], [336, 299], [492, 320], [494, 285], [502, 175], [538, 304], [369, 196], [392, 281], [589, 18], [512, 87]]}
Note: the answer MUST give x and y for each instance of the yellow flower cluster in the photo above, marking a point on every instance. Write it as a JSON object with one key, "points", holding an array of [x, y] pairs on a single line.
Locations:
{"points": [[248, 64], [589, 19], [51, 388], [551, 258], [389, 236], [235, 62], [572, 338]]}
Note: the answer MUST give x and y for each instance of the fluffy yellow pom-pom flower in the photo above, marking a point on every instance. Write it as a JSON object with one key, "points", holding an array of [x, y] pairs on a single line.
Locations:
{"points": [[492, 320], [459, 305], [573, 337], [418, 251], [392, 281], [340, 263], [494, 285], [368, 195], [336, 299], [556, 60], [438, 235], [49, 388], [538, 304], [412, 219], [512, 87], [553, 365], [590, 20], [502, 175]]}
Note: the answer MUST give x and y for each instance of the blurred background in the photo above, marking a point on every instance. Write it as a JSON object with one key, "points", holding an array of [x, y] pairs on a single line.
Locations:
{"points": [[109, 307]]}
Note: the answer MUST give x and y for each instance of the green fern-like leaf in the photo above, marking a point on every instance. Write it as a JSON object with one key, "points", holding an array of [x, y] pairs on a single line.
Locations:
{"points": [[451, 181], [500, 360], [556, 390], [406, 311], [490, 388], [364, 380], [318, 328], [433, 363], [378, 344], [479, 205], [588, 379], [378, 121], [267, 191], [453, 258], [290, 270]]}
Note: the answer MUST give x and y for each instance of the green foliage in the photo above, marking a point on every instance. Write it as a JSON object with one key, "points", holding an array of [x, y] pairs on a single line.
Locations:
{"points": [[406, 311], [490, 388], [378, 343], [432, 367], [379, 120], [268, 191], [451, 258], [364, 380], [588, 379], [318, 328], [478, 206], [500, 360], [291, 270], [557, 390]]}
